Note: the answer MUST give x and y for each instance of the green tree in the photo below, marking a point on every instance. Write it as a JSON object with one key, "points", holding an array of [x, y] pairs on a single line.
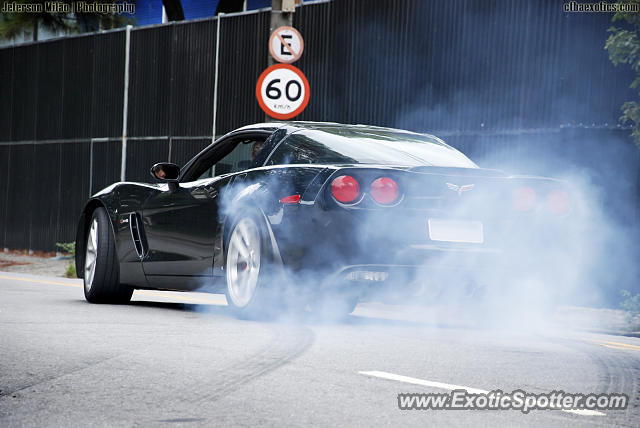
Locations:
{"points": [[623, 45], [14, 24]]}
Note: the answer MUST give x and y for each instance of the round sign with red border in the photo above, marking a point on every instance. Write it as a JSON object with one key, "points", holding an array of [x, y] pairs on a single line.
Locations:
{"points": [[286, 45], [283, 91]]}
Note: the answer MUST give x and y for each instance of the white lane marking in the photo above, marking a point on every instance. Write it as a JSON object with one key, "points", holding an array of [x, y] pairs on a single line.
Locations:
{"points": [[413, 380], [451, 387]]}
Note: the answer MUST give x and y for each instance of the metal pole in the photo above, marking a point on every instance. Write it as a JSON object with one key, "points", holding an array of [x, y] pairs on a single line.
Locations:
{"points": [[281, 16], [125, 106], [215, 79]]}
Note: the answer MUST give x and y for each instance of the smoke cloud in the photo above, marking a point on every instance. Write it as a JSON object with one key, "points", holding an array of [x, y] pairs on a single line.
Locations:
{"points": [[542, 262]]}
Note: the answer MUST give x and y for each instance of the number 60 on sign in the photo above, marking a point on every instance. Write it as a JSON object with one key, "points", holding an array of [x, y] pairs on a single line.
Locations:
{"points": [[282, 91]]}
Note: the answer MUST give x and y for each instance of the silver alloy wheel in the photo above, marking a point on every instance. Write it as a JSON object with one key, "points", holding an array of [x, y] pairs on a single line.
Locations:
{"points": [[91, 255], [243, 262]]}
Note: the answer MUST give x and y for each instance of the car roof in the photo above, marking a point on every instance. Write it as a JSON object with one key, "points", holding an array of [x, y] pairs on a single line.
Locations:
{"points": [[340, 128], [336, 129]]}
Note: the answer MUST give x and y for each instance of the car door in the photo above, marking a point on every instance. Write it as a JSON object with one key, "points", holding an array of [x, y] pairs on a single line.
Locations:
{"points": [[180, 224], [180, 229]]}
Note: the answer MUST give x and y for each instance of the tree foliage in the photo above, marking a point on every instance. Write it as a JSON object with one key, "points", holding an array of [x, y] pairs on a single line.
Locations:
{"points": [[623, 45]]}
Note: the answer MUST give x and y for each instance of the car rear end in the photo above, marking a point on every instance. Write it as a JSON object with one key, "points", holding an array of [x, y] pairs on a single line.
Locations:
{"points": [[402, 227]]}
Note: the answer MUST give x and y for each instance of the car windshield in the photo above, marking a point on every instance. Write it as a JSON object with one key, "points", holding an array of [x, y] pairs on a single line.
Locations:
{"points": [[366, 146]]}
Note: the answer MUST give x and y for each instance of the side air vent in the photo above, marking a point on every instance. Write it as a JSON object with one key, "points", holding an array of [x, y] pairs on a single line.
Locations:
{"points": [[136, 234]]}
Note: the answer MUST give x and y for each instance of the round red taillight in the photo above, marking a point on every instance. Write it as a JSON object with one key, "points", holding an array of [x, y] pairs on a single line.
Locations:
{"points": [[345, 188], [558, 201], [384, 190], [524, 198]]}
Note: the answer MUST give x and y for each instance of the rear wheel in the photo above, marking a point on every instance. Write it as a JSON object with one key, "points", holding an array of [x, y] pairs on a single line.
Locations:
{"points": [[255, 284], [101, 269], [244, 256]]}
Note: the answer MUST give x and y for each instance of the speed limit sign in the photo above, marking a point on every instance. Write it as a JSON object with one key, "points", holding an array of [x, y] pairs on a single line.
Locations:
{"points": [[282, 91]]}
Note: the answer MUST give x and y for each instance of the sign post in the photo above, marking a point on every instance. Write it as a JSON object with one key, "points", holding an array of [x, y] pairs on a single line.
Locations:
{"points": [[283, 90]]}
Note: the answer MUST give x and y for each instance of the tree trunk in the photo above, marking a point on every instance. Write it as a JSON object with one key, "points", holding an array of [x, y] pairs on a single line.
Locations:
{"points": [[174, 10], [35, 30]]}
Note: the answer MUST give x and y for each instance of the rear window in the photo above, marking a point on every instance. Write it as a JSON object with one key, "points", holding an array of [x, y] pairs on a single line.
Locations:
{"points": [[366, 147]]}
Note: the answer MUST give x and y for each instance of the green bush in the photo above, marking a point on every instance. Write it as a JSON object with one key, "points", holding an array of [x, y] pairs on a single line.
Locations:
{"points": [[69, 248], [631, 305], [71, 271]]}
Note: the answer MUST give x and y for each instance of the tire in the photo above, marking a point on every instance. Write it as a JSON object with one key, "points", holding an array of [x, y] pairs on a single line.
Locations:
{"points": [[254, 283], [101, 269]]}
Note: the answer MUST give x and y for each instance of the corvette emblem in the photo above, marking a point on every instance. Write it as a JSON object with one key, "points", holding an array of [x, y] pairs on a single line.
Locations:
{"points": [[460, 189]]}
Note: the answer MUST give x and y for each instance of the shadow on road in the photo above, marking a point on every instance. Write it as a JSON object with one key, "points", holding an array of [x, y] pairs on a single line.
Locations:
{"points": [[299, 317]]}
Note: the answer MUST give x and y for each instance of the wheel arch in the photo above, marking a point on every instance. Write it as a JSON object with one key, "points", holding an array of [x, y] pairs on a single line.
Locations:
{"points": [[248, 205], [83, 227], [261, 190]]}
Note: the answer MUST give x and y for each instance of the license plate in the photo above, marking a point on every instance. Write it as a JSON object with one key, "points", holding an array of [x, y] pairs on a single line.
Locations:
{"points": [[469, 231]]}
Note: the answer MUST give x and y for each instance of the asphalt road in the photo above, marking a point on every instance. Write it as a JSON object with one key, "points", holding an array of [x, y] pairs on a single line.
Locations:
{"points": [[182, 359]]}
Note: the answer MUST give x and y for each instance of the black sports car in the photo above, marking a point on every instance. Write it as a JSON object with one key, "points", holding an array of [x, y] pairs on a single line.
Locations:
{"points": [[308, 213]]}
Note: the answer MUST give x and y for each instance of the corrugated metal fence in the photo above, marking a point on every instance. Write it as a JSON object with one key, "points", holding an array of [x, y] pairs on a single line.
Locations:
{"points": [[506, 81]]}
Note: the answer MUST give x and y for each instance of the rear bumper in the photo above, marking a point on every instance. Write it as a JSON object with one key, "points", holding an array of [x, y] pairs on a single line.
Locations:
{"points": [[419, 263], [403, 271], [337, 247]]}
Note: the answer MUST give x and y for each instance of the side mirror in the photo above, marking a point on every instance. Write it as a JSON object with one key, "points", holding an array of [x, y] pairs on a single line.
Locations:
{"points": [[166, 171]]}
